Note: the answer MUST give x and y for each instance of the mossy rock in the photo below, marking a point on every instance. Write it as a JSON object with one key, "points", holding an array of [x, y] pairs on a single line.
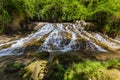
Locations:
{"points": [[22, 72], [13, 67], [56, 72], [35, 71], [43, 55], [31, 48], [5, 46]]}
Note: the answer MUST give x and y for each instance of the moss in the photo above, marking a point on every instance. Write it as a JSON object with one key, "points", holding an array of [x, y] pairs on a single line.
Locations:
{"points": [[43, 55], [5, 46], [69, 36], [22, 72]]}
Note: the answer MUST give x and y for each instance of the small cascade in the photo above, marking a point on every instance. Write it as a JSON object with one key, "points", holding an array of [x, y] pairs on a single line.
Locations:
{"points": [[72, 43], [17, 47], [62, 37], [54, 40], [107, 41]]}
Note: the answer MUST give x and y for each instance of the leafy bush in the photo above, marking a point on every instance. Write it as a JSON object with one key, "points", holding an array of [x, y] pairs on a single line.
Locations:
{"points": [[85, 70], [110, 63], [5, 18], [57, 72], [100, 21], [52, 11], [74, 11], [12, 11], [114, 25], [105, 18]]}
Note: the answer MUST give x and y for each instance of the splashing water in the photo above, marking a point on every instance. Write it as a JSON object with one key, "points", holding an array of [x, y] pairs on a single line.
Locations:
{"points": [[62, 37]]}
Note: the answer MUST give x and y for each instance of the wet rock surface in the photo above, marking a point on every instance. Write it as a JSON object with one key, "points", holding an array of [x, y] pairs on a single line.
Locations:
{"points": [[66, 43], [39, 65], [9, 70], [64, 37], [36, 70], [7, 38]]}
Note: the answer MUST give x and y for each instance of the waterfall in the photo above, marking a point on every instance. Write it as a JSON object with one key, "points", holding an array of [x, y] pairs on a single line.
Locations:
{"points": [[62, 37]]}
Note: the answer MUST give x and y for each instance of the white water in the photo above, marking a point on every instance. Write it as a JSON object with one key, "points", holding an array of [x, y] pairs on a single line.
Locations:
{"points": [[17, 47], [57, 40]]}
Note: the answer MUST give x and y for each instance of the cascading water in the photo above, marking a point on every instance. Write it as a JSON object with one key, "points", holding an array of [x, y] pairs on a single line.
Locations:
{"points": [[62, 37]]}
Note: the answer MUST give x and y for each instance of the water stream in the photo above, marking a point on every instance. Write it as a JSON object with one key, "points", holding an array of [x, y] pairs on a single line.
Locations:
{"points": [[62, 37]]}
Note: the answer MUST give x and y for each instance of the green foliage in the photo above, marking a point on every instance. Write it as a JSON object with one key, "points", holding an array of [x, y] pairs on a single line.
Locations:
{"points": [[13, 67], [4, 20], [14, 7], [113, 62], [105, 18], [74, 11], [61, 10], [4, 17], [52, 11], [21, 9], [30, 7], [100, 21], [57, 73], [114, 24], [95, 11], [22, 72], [85, 70]]}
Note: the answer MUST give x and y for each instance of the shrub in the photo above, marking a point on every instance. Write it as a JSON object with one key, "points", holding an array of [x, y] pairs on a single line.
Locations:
{"points": [[74, 11], [14, 12], [95, 11], [114, 24], [100, 21], [85, 70], [57, 72], [5, 18]]}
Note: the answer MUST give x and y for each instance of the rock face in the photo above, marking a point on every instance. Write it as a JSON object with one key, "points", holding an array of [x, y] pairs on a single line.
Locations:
{"points": [[113, 74], [36, 70], [10, 66], [64, 37]]}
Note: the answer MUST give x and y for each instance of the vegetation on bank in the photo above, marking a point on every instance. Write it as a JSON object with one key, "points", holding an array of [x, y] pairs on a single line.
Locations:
{"points": [[68, 68], [84, 70], [78, 67], [104, 14]]}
